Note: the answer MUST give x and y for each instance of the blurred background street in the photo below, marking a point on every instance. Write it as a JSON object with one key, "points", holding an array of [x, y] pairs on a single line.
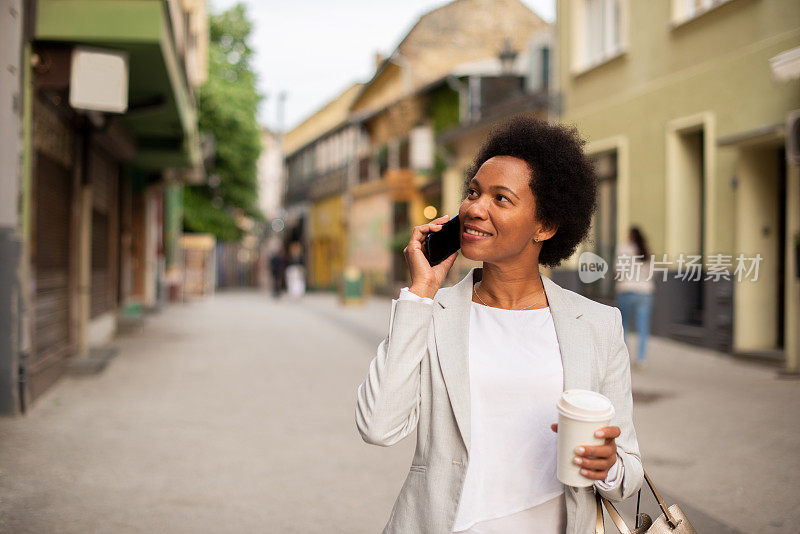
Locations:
{"points": [[203, 210], [235, 414]]}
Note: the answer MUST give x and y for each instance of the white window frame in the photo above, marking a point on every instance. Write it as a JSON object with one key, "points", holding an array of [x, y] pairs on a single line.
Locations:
{"points": [[421, 146], [614, 43], [686, 10]]}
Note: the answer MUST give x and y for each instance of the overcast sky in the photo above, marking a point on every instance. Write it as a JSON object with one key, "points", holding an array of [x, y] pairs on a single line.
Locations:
{"points": [[314, 49]]}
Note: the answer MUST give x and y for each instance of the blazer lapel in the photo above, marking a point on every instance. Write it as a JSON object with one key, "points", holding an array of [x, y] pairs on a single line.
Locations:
{"points": [[451, 330], [573, 337]]}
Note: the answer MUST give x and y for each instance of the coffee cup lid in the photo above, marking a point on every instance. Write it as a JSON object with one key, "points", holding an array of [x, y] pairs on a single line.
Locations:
{"points": [[585, 405]]}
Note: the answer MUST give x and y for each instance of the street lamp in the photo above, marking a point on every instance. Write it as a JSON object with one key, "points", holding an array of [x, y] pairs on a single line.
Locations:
{"points": [[507, 57]]}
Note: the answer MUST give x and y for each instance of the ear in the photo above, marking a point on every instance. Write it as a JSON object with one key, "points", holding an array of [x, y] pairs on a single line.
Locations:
{"points": [[545, 232]]}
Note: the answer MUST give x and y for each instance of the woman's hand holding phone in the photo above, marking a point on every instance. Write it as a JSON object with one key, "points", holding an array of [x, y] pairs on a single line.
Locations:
{"points": [[426, 280]]}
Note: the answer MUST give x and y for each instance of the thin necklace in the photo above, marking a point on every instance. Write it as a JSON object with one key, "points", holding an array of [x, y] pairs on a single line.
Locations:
{"points": [[475, 290]]}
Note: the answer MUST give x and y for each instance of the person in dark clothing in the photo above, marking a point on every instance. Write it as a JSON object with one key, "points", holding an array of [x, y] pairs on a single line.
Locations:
{"points": [[277, 264]]}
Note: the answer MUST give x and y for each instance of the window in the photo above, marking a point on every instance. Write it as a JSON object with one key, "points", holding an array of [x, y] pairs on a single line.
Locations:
{"points": [[422, 147], [538, 79], [382, 160], [599, 32], [684, 10], [320, 160], [364, 165], [602, 29], [404, 156]]}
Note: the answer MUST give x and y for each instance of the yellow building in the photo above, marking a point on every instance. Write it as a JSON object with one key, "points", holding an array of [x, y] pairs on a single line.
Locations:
{"points": [[319, 164], [326, 245], [686, 121]]}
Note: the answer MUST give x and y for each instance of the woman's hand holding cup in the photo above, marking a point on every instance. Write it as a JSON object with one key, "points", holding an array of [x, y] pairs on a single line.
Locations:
{"points": [[596, 460], [426, 280]]}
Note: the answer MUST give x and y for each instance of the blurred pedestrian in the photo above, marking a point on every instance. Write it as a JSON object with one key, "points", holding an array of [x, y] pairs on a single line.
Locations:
{"points": [[635, 289], [277, 263], [295, 272]]}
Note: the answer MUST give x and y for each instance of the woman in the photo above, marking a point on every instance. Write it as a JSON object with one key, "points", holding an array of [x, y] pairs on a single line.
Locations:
{"points": [[634, 289], [477, 368], [295, 273]]}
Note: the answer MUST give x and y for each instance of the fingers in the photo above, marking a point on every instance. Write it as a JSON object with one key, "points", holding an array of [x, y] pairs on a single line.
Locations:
{"points": [[597, 451], [434, 226], [597, 464], [594, 475], [419, 232], [446, 264], [596, 460], [418, 237], [608, 432]]}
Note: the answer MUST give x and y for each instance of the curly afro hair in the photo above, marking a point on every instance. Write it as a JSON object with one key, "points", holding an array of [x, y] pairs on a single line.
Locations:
{"points": [[563, 180]]}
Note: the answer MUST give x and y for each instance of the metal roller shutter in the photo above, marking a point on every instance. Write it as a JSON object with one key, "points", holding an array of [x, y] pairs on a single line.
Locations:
{"points": [[104, 174], [51, 266]]}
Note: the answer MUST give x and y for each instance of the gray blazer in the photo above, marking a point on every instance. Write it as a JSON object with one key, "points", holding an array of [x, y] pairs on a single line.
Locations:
{"points": [[420, 380]]}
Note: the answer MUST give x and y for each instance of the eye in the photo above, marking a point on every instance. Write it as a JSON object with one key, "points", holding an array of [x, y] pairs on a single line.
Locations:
{"points": [[470, 191], [503, 196]]}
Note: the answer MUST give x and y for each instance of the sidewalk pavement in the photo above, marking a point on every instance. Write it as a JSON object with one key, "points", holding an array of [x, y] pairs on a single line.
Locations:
{"points": [[235, 414]]}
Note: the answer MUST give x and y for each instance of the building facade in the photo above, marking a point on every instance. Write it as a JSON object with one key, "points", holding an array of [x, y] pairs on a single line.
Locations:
{"points": [[388, 155], [442, 75], [270, 174], [108, 133], [687, 127], [320, 162]]}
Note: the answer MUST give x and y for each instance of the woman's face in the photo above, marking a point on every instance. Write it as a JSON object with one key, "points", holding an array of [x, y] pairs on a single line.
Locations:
{"points": [[500, 203]]}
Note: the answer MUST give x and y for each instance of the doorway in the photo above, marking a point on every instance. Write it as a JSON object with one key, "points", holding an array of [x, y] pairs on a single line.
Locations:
{"points": [[759, 303]]}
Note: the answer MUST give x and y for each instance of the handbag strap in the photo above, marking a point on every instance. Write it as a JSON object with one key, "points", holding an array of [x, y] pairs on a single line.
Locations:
{"points": [[599, 527], [670, 519], [617, 519], [612, 513]]}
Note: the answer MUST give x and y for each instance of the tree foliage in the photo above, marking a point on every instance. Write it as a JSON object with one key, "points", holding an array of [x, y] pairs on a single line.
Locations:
{"points": [[227, 104]]}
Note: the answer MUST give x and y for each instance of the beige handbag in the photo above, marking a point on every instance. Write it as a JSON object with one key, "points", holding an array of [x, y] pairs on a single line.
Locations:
{"points": [[672, 521]]}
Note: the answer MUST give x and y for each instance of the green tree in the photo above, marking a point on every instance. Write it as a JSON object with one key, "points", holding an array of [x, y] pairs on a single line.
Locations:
{"points": [[227, 104]]}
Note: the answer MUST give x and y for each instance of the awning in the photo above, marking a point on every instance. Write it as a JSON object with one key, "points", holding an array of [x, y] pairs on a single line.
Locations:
{"points": [[161, 113]]}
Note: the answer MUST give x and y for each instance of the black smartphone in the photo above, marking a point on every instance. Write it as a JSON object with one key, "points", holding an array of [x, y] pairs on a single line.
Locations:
{"points": [[440, 245]]}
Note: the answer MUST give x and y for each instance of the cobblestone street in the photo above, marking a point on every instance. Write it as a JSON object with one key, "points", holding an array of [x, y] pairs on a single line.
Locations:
{"points": [[235, 414]]}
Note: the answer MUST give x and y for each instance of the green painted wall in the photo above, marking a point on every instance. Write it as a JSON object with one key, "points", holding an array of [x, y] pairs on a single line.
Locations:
{"points": [[99, 20], [717, 63]]}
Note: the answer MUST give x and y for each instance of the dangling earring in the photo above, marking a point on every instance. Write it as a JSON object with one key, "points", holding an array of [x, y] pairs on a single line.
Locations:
{"points": [[536, 239]]}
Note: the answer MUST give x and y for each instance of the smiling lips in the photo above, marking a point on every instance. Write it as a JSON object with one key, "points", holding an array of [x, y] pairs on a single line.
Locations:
{"points": [[472, 234], [475, 232]]}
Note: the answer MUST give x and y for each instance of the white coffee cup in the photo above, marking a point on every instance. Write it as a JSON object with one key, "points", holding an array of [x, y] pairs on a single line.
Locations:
{"points": [[580, 414]]}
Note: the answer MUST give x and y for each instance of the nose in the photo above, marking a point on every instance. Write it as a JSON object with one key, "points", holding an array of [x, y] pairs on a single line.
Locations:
{"points": [[476, 209]]}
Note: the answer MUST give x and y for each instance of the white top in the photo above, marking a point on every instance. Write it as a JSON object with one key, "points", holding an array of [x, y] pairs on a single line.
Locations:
{"points": [[632, 272], [516, 379]]}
